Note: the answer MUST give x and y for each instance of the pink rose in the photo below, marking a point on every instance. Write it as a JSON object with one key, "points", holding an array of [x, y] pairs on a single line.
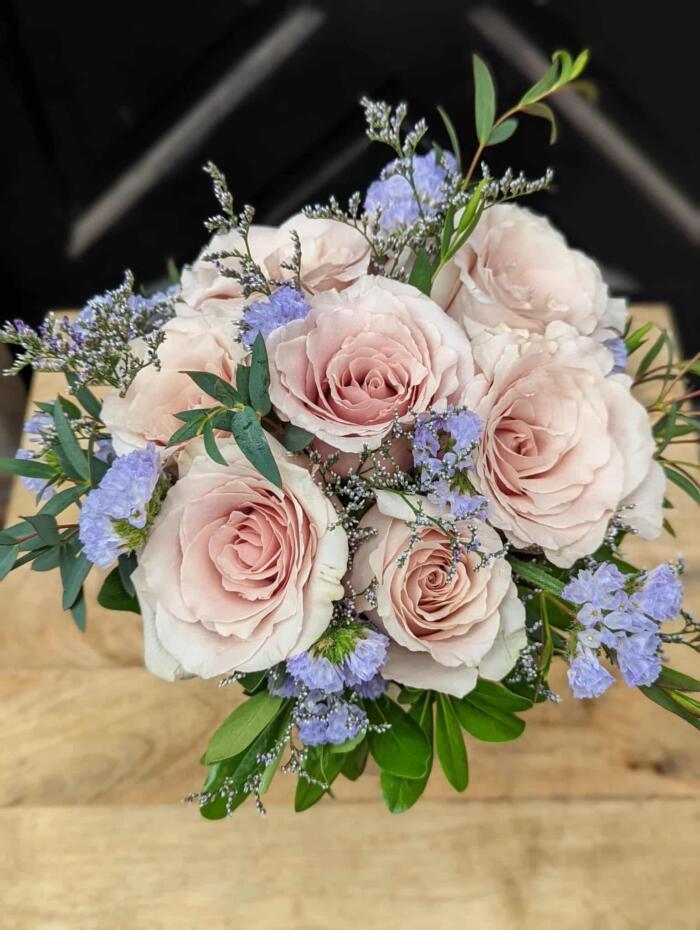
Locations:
{"points": [[517, 272], [377, 350], [206, 290], [333, 255], [237, 574], [147, 411], [446, 628], [564, 447]]}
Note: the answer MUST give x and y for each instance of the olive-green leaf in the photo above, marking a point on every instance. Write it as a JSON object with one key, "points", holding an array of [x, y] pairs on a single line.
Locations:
{"points": [[486, 722], [68, 443], [503, 132], [113, 596], [241, 727], [402, 749], [484, 99], [253, 443], [294, 438], [421, 273], [449, 743]]}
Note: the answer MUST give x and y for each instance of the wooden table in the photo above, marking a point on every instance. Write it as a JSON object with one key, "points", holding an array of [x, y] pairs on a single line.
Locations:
{"points": [[588, 822]]}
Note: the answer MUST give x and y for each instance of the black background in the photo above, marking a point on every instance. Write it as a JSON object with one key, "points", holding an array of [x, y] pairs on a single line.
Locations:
{"points": [[85, 88]]}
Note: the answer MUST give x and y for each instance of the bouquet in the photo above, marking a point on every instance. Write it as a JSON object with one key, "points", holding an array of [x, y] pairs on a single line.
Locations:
{"points": [[373, 466]]}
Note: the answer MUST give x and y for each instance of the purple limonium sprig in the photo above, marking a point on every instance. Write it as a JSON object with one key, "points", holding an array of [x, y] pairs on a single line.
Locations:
{"points": [[328, 718], [618, 350], [397, 203], [346, 656], [280, 308], [40, 432], [621, 613], [116, 515], [443, 447]]}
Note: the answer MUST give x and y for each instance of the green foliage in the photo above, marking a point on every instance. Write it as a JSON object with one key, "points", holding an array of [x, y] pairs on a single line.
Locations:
{"points": [[453, 137], [676, 702], [399, 793], [28, 468], [242, 726], [402, 749], [259, 382], [537, 575], [354, 762], [253, 443], [215, 387], [485, 719], [484, 100], [294, 438], [449, 743], [114, 596], [323, 766], [503, 132], [72, 457], [421, 273]]}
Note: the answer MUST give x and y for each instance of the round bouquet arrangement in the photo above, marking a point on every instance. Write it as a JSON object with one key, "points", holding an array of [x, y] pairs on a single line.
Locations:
{"points": [[374, 466]]}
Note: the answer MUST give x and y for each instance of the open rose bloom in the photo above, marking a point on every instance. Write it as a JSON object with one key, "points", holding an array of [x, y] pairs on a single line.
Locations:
{"points": [[375, 465]]}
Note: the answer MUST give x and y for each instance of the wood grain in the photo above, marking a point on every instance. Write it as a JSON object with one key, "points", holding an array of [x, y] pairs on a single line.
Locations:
{"points": [[520, 865]]}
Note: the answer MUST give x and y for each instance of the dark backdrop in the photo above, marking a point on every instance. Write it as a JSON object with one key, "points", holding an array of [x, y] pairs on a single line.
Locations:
{"points": [[86, 89]]}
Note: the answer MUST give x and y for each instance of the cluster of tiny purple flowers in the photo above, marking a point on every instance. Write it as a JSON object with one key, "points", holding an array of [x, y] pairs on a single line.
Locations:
{"points": [[323, 714], [620, 613], [116, 514], [39, 429], [397, 204], [443, 446], [280, 308]]}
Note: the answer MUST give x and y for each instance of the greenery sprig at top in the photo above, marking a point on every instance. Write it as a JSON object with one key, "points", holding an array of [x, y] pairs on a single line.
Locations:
{"points": [[375, 467]]}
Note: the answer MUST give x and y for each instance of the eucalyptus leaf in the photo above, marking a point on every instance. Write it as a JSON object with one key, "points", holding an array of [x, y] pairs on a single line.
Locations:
{"points": [[74, 570], [215, 387], [78, 611], [45, 527], [243, 382], [28, 468], [294, 438], [253, 443], [113, 596], [8, 556], [503, 132], [544, 111], [259, 381], [210, 445], [69, 445]]}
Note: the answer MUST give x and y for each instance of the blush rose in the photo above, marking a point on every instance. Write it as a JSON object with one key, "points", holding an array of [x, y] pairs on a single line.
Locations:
{"points": [[446, 628], [376, 351], [238, 575], [565, 445], [516, 271], [147, 411]]}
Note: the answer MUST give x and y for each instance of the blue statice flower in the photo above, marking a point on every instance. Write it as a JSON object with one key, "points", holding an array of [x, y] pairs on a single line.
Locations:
{"points": [[280, 684], [280, 308], [443, 446], [661, 595], [328, 718], [372, 689], [144, 313], [315, 672], [639, 659], [346, 656], [623, 613], [618, 350], [116, 515], [393, 200], [587, 677], [40, 432]]}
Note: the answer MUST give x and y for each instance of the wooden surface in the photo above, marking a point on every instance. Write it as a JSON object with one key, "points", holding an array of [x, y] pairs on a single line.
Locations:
{"points": [[588, 822]]}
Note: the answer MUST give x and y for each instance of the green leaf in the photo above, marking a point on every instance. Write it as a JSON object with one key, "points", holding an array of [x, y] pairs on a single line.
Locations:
{"points": [[449, 743], [447, 231], [349, 745], [676, 681], [453, 137], [243, 382], [544, 85], [651, 354], [259, 383], [113, 596], [8, 556], [215, 387], [28, 468], [666, 700], [252, 682], [421, 273], [544, 111], [323, 766], [683, 482], [486, 722], [215, 777], [278, 728], [354, 762], [85, 397], [503, 132], [468, 220], [47, 561], [192, 428], [400, 794], [127, 564], [45, 527], [69, 444], [241, 727], [402, 749], [484, 99], [252, 442], [536, 575], [636, 339], [210, 445], [79, 612], [488, 692], [74, 571], [579, 64], [294, 438]]}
